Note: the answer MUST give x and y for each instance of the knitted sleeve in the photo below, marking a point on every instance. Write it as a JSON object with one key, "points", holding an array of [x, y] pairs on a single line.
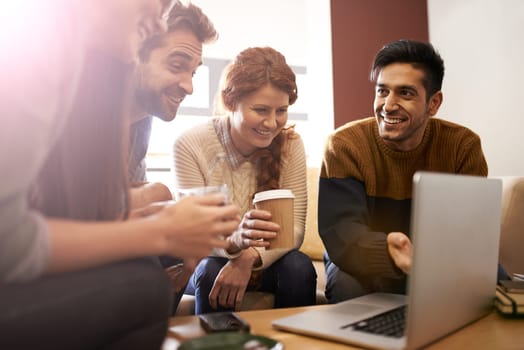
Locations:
{"points": [[454, 149], [343, 208], [193, 152], [472, 160]]}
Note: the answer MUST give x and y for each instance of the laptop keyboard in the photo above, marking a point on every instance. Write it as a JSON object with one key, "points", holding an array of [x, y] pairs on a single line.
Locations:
{"points": [[391, 323]]}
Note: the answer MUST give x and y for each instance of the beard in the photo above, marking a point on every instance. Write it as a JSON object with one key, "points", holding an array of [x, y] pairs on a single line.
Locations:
{"points": [[151, 103]]}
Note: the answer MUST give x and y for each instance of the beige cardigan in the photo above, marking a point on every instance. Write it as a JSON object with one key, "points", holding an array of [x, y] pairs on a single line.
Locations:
{"points": [[200, 159]]}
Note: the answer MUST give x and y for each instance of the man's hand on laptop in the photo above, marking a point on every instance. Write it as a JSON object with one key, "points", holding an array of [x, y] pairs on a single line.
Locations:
{"points": [[401, 250]]}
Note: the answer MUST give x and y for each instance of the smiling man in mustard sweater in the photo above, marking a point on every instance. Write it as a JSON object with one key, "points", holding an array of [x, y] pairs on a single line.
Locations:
{"points": [[365, 184]]}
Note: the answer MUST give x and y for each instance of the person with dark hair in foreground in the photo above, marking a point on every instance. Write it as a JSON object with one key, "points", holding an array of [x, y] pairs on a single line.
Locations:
{"points": [[75, 272]]}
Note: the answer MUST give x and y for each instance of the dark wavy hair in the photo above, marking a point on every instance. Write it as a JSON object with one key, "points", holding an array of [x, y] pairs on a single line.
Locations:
{"points": [[252, 69], [420, 54]]}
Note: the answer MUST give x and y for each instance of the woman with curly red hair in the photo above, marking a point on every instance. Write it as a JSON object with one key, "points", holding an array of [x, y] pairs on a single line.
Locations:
{"points": [[250, 148]]}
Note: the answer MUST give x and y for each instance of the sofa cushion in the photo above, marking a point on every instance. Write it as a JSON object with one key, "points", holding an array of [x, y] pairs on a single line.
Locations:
{"points": [[512, 224], [312, 245]]}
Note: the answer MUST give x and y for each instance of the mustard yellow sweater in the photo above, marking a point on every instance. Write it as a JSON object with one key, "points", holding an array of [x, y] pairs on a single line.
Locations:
{"points": [[365, 191]]}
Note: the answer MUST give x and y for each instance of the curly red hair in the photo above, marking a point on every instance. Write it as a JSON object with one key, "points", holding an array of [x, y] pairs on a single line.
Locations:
{"points": [[252, 69]]}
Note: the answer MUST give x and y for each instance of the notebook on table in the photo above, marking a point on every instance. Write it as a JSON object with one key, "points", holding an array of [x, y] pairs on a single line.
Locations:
{"points": [[509, 298], [455, 227]]}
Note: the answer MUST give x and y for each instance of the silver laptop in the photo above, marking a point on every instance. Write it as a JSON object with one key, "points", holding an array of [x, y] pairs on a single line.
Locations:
{"points": [[455, 226]]}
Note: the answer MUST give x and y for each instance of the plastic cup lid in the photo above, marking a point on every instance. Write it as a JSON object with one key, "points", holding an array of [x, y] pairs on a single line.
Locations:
{"points": [[272, 194]]}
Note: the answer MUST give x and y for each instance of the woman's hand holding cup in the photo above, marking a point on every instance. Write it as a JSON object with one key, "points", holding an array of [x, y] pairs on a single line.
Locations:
{"points": [[255, 230]]}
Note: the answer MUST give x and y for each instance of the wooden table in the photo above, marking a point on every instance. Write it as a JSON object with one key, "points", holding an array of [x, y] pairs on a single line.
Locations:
{"points": [[490, 332]]}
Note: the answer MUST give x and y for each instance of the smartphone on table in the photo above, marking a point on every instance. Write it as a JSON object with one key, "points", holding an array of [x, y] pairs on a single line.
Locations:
{"points": [[223, 322]]}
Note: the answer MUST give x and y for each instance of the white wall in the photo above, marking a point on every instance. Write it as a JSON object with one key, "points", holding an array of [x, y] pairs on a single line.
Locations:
{"points": [[482, 44], [245, 23], [299, 29]]}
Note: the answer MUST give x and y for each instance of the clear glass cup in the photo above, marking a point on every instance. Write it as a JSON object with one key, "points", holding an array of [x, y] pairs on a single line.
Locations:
{"points": [[196, 191]]}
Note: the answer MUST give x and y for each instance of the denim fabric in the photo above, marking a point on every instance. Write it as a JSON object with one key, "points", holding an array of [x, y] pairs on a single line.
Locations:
{"points": [[168, 261], [292, 279], [502, 274], [341, 286], [139, 135]]}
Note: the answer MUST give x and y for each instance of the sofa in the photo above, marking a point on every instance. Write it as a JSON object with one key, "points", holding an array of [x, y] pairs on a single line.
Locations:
{"points": [[511, 250], [511, 241]]}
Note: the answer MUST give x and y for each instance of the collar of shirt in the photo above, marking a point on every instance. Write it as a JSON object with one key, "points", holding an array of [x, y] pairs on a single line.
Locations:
{"points": [[222, 127]]}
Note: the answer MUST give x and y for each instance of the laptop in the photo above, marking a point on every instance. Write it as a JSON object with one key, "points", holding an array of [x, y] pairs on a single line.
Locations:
{"points": [[455, 227]]}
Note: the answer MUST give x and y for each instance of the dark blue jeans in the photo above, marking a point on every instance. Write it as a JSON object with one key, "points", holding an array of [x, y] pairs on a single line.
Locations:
{"points": [[342, 286], [168, 261], [292, 279], [123, 305]]}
